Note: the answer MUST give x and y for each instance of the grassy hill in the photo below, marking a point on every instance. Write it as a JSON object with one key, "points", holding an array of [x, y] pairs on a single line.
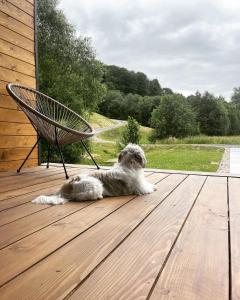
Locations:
{"points": [[99, 121]]}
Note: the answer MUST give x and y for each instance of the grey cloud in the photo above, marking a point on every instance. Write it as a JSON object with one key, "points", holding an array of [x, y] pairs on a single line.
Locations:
{"points": [[187, 45]]}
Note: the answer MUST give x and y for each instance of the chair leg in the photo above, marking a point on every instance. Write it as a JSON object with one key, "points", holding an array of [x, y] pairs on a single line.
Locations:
{"points": [[19, 169], [90, 155], [62, 159], [48, 156]]}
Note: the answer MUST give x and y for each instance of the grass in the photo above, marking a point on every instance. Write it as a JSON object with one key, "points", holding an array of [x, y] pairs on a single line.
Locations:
{"points": [[171, 157], [203, 139], [116, 133], [99, 121]]}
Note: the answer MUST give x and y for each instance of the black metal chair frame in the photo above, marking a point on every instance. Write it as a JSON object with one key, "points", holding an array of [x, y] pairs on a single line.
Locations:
{"points": [[46, 115]]}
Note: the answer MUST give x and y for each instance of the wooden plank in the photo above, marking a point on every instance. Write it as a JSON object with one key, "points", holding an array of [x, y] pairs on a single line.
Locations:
{"points": [[16, 154], [16, 26], [25, 187], [234, 214], [17, 141], [18, 229], [90, 248], [15, 64], [139, 258], [198, 265], [16, 129], [15, 182], [3, 90], [12, 116], [46, 189], [16, 39], [12, 76], [11, 10], [16, 52], [32, 181], [8, 174], [8, 102], [24, 5], [18, 213], [6, 165]]}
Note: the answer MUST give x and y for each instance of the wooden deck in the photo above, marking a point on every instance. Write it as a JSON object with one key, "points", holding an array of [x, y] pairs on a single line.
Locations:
{"points": [[181, 242]]}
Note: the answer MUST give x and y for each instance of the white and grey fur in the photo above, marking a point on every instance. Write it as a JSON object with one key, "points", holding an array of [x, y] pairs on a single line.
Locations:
{"points": [[125, 178]]}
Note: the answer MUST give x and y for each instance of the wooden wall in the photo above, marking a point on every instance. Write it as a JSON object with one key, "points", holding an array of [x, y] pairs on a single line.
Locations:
{"points": [[17, 64]]}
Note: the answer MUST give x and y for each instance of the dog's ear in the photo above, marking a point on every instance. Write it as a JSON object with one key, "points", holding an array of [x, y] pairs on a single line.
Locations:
{"points": [[141, 160], [120, 156]]}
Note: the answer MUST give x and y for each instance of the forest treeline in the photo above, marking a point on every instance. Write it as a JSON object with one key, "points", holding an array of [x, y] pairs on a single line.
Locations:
{"points": [[169, 113]]}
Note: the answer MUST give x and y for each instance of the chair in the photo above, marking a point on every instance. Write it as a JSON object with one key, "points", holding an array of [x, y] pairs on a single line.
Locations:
{"points": [[53, 121]]}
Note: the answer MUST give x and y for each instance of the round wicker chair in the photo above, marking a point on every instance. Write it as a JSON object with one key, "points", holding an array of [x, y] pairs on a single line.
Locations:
{"points": [[53, 121]]}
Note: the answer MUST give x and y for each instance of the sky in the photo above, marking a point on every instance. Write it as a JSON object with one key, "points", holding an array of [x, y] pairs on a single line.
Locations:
{"points": [[188, 45]]}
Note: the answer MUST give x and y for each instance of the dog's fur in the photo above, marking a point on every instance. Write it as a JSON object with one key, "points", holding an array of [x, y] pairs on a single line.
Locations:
{"points": [[125, 178]]}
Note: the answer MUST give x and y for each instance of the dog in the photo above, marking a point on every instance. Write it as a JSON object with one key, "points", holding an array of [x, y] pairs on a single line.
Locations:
{"points": [[125, 178]]}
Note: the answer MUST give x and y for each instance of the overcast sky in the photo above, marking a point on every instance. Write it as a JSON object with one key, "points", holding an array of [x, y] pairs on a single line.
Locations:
{"points": [[188, 45]]}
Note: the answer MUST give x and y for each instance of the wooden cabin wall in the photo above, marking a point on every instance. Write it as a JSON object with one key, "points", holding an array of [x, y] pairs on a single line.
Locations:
{"points": [[17, 64]]}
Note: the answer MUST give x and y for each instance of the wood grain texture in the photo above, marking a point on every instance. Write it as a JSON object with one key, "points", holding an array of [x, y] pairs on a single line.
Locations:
{"points": [[18, 229], [12, 116], [23, 5], [6, 165], [16, 39], [198, 265], [16, 52], [18, 154], [136, 263], [16, 13], [90, 248], [46, 189], [3, 90], [62, 231], [17, 65], [8, 102], [16, 26], [12, 129], [234, 213], [37, 184], [12, 76], [17, 141]]}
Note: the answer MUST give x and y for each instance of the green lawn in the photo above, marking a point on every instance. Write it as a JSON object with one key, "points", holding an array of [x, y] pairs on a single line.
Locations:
{"points": [[99, 121], [171, 157], [115, 134]]}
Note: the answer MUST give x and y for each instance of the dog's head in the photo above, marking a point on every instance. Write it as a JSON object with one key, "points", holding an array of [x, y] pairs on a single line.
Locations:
{"points": [[132, 156]]}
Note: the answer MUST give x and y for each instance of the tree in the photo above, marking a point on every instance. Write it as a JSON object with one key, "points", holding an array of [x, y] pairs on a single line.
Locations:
{"points": [[236, 95], [68, 70], [131, 133], [154, 88], [173, 118], [211, 113]]}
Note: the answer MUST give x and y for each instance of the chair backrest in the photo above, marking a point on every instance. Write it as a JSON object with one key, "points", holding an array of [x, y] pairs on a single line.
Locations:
{"points": [[50, 118]]}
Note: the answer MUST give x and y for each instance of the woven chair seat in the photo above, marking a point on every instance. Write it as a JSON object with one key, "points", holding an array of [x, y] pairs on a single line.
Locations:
{"points": [[50, 118]]}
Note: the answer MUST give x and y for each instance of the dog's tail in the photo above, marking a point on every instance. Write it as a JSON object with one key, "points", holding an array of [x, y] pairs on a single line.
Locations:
{"points": [[52, 199]]}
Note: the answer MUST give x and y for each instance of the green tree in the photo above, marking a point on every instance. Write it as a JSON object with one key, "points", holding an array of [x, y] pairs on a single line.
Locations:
{"points": [[173, 118], [236, 95], [211, 113], [131, 134], [68, 69]]}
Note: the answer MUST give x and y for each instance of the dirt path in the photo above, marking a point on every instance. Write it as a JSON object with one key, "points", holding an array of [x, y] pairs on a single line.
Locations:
{"points": [[100, 130]]}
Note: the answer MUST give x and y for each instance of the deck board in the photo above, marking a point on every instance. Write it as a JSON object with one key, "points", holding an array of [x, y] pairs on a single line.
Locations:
{"points": [[202, 246], [171, 244], [234, 213]]}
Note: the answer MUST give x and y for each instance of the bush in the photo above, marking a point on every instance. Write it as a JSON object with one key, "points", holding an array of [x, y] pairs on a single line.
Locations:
{"points": [[131, 133]]}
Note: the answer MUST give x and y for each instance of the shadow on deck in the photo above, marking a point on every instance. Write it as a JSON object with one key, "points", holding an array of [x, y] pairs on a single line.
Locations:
{"points": [[181, 242]]}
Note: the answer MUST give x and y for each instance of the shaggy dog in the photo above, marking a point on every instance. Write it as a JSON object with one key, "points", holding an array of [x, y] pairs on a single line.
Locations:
{"points": [[125, 178]]}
